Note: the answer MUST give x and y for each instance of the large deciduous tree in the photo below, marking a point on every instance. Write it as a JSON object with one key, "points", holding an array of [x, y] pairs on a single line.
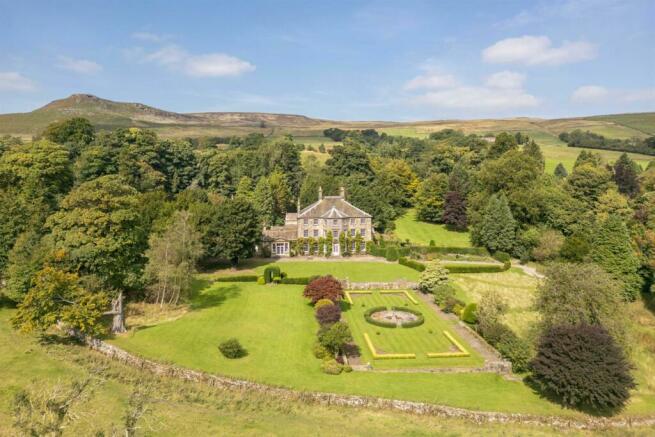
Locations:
{"points": [[172, 258], [430, 198], [234, 231]]}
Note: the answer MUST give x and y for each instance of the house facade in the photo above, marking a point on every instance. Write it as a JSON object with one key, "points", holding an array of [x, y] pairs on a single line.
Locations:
{"points": [[329, 226]]}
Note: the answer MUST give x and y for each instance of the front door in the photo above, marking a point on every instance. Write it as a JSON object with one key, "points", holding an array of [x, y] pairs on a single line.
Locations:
{"points": [[335, 248]]}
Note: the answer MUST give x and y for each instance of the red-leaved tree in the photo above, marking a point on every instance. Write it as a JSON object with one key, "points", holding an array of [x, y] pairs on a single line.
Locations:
{"points": [[325, 287]]}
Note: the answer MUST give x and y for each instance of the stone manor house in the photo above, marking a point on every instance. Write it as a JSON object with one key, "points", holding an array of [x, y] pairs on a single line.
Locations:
{"points": [[328, 214]]}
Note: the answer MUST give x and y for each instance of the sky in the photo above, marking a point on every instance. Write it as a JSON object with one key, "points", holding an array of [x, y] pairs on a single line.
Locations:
{"points": [[341, 60]]}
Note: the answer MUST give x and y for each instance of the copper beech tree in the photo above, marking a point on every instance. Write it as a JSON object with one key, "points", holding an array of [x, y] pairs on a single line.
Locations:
{"points": [[326, 287]]}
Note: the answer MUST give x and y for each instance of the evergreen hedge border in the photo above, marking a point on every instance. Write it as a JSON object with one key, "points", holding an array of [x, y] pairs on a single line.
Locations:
{"points": [[476, 268], [372, 321], [237, 278], [412, 264]]}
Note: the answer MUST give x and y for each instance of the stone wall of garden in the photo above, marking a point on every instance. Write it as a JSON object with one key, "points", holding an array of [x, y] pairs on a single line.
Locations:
{"points": [[395, 285], [226, 383]]}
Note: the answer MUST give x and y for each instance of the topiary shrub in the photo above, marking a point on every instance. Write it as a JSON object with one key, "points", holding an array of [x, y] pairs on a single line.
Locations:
{"points": [[391, 253], [469, 314], [322, 303], [503, 257], [583, 367], [325, 287], [328, 314], [270, 272], [232, 349], [331, 367], [261, 280]]}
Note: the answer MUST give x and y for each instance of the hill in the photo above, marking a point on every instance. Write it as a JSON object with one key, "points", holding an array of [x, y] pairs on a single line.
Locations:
{"points": [[107, 114]]}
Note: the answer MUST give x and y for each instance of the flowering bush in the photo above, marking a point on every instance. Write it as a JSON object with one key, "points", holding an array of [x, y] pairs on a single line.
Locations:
{"points": [[325, 287]]}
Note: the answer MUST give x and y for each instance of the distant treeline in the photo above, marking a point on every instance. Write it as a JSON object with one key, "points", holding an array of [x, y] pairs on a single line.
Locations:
{"points": [[590, 140]]}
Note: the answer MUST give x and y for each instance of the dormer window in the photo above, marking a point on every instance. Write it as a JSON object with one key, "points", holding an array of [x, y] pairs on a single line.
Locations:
{"points": [[335, 222]]}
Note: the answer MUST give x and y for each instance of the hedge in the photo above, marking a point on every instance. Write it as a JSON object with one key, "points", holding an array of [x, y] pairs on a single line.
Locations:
{"points": [[295, 281], [480, 251], [476, 268], [372, 321], [270, 272], [378, 356], [237, 278], [411, 264]]}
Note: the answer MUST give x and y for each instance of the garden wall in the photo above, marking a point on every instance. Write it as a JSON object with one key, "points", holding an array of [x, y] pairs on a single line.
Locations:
{"points": [[226, 383]]}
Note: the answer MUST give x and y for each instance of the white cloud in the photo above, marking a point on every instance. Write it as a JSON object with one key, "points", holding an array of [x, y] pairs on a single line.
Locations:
{"points": [[589, 93], [82, 66], [506, 79], [217, 64], [538, 50], [472, 97], [597, 94], [205, 65], [149, 37], [501, 91], [431, 80], [12, 81]]}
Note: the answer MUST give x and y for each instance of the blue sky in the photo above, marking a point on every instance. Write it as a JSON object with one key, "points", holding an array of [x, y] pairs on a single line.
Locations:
{"points": [[348, 60]]}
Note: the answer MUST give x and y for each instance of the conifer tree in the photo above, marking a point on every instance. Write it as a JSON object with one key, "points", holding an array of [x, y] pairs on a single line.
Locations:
{"points": [[454, 212], [497, 229], [626, 175], [611, 249], [560, 171], [533, 150]]}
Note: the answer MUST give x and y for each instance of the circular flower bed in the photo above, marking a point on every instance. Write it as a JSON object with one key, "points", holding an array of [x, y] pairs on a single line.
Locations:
{"points": [[394, 317]]}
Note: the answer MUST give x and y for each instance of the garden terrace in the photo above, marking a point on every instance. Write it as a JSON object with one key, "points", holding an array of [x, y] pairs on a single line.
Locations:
{"points": [[432, 344]]}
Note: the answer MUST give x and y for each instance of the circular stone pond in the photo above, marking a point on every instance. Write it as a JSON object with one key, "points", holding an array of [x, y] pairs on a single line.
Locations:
{"points": [[394, 317]]}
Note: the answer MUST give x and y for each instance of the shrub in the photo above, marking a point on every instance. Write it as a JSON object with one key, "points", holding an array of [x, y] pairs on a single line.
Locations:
{"points": [[232, 349], [347, 369], [270, 272], [450, 303], [322, 303], [469, 314], [583, 366], [328, 314], [432, 243], [502, 257], [237, 278], [320, 352], [391, 253], [432, 277], [325, 287], [516, 350], [550, 244], [335, 337], [261, 280], [276, 279], [442, 293], [418, 266], [331, 367]]}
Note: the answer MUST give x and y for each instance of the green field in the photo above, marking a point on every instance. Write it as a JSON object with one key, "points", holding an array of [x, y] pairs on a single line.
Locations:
{"points": [[417, 232], [355, 271], [567, 156], [419, 340], [184, 408]]}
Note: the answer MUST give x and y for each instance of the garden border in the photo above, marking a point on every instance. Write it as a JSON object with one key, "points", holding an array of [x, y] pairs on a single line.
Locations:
{"points": [[324, 398]]}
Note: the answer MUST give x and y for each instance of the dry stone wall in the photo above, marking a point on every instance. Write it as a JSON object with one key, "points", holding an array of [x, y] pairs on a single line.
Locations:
{"points": [[422, 408]]}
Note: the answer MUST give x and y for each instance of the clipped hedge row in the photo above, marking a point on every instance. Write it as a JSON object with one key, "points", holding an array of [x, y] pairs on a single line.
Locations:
{"points": [[237, 278], [412, 264], [271, 272], [372, 321], [378, 356], [296, 281], [476, 268], [480, 251]]}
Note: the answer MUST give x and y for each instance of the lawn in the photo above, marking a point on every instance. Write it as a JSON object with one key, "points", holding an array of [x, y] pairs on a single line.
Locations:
{"points": [[184, 408], [277, 327], [357, 271], [409, 228], [419, 340]]}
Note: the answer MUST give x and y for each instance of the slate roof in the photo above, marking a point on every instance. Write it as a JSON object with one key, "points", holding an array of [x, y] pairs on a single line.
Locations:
{"points": [[332, 207], [286, 232]]}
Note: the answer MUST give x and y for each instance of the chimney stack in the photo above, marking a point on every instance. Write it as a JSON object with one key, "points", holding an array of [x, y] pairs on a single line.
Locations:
{"points": [[320, 193], [342, 192]]}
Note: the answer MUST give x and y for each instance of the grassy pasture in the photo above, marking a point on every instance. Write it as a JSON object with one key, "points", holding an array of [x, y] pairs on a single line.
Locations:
{"points": [[427, 338], [409, 228]]}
